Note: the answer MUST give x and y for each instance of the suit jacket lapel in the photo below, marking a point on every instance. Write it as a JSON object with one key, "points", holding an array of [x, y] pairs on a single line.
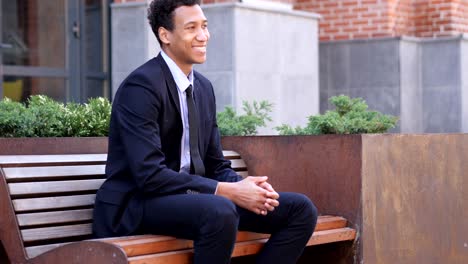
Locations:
{"points": [[196, 90], [170, 83]]}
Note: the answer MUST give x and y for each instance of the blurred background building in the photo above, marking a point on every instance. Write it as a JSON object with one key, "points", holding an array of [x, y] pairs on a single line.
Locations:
{"points": [[405, 57]]}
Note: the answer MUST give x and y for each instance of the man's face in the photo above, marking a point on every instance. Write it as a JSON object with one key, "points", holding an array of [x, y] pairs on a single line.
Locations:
{"points": [[186, 44]]}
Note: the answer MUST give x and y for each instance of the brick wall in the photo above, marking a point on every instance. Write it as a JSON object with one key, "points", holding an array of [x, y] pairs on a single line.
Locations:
{"points": [[355, 19], [441, 18], [211, 1], [351, 19]]}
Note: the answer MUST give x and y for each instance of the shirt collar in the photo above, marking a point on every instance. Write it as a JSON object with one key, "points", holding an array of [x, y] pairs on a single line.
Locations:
{"points": [[180, 79]]}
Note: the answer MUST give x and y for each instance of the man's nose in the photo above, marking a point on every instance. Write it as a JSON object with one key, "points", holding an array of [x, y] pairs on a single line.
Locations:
{"points": [[203, 35]]}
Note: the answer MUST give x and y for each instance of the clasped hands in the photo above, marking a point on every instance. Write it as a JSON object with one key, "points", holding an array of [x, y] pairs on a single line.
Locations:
{"points": [[252, 193]]}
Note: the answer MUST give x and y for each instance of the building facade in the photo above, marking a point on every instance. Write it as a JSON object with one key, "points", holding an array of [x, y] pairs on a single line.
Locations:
{"points": [[405, 57], [54, 47]]}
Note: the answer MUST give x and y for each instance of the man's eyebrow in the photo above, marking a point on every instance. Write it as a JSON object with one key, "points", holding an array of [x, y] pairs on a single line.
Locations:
{"points": [[194, 22]]}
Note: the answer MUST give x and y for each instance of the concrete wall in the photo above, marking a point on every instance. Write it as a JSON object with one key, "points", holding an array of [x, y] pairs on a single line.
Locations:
{"points": [[132, 41], [256, 52], [362, 68], [419, 80], [410, 87], [221, 55], [441, 82], [464, 75]]}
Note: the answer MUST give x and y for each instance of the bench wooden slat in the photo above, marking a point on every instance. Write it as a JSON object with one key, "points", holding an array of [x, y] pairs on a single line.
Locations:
{"points": [[53, 172], [44, 233], [23, 160], [243, 173], [247, 248], [57, 202], [153, 243], [179, 257], [59, 217], [150, 244], [318, 238], [330, 222], [229, 154], [7, 161], [243, 248], [54, 187], [38, 250], [324, 222], [46, 160], [332, 235], [238, 164]]}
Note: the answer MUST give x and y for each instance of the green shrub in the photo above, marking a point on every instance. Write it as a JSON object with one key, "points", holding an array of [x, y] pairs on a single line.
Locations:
{"points": [[11, 118], [97, 112], [350, 117], [44, 117], [88, 120], [256, 115]]}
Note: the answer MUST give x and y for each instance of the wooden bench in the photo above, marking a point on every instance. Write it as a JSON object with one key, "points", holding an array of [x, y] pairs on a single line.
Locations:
{"points": [[46, 204]]}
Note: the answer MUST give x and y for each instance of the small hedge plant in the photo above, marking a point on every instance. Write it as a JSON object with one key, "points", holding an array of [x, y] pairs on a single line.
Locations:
{"points": [[351, 116], [256, 115], [41, 116]]}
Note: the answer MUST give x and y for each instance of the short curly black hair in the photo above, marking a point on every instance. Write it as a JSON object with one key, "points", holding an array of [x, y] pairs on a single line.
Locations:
{"points": [[161, 14]]}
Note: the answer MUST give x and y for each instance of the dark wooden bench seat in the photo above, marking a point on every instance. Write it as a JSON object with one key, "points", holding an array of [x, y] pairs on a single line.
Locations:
{"points": [[46, 204]]}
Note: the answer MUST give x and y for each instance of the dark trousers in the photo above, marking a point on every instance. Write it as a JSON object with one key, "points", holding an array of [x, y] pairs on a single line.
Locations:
{"points": [[212, 222]]}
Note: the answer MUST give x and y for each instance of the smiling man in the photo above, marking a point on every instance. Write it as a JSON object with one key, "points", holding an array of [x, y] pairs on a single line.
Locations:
{"points": [[166, 173]]}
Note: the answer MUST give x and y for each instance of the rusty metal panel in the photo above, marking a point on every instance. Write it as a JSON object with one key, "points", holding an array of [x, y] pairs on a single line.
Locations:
{"points": [[325, 168], [42, 146], [415, 198]]}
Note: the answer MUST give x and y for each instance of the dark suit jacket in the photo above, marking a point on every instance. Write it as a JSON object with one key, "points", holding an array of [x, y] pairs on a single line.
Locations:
{"points": [[144, 148]]}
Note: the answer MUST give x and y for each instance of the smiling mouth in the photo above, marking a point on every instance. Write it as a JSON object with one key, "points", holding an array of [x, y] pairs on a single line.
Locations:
{"points": [[200, 48]]}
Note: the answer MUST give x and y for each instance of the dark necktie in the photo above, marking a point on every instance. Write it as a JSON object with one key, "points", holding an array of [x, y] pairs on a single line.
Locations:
{"points": [[197, 163]]}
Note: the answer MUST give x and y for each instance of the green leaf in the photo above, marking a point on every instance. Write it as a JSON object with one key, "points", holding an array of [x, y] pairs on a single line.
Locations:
{"points": [[256, 115], [351, 116]]}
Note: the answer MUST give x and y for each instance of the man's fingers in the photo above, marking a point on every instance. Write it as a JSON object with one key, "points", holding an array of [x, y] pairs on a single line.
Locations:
{"points": [[267, 186], [269, 207], [272, 195], [260, 211], [272, 202]]}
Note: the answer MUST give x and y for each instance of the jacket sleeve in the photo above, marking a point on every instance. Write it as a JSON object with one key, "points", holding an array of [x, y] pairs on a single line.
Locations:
{"points": [[217, 167], [136, 111]]}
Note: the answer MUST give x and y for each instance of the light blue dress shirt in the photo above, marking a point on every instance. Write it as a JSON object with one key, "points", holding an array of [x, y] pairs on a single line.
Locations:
{"points": [[182, 83]]}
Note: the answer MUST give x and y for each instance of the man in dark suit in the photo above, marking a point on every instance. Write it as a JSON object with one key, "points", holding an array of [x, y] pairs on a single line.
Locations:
{"points": [[166, 173]]}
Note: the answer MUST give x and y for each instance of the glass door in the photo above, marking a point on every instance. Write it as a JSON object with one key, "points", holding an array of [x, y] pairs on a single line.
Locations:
{"points": [[45, 46], [96, 49]]}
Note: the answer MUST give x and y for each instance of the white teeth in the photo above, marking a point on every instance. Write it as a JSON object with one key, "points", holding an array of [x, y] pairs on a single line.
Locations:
{"points": [[201, 49]]}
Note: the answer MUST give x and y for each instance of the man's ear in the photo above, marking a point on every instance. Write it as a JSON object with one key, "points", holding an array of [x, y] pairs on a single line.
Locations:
{"points": [[164, 35]]}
